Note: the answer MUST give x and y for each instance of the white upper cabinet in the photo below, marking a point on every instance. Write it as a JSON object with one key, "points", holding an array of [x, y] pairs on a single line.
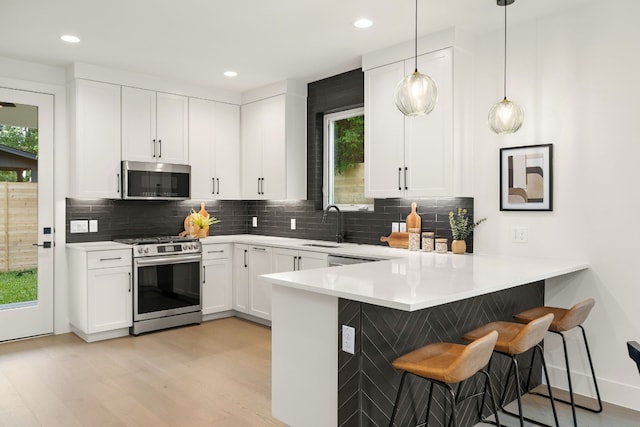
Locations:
{"points": [[154, 126], [273, 146], [95, 135], [408, 156], [214, 149]]}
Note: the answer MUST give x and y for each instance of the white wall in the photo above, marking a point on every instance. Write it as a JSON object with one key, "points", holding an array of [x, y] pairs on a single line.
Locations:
{"points": [[576, 75]]}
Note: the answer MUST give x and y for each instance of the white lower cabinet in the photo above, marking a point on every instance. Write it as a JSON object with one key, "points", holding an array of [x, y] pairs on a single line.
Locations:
{"points": [[100, 297], [217, 278], [292, 260], [252, 295]]}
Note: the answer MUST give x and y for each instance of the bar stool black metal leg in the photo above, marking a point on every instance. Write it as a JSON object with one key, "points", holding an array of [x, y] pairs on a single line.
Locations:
{"points": [[452, 395], [426, 417], [593, 375], [546, 375], [489, 385], [395, 406], [571, 397], [518, 389]]}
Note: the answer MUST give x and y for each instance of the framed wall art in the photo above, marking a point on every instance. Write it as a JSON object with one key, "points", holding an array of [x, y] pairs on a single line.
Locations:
{"points": [[526, 178]]}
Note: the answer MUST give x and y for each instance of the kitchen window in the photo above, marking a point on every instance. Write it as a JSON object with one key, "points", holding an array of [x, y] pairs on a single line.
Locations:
{"points": [[344, 160]]}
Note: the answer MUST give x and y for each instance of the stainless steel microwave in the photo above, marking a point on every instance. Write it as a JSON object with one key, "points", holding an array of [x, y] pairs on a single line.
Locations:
{"points": [[155, 181]]}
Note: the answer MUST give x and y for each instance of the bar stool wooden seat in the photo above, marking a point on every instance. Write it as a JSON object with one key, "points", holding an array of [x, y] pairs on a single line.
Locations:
{"points": [[447, 364], [514, 339], [565, 320]]}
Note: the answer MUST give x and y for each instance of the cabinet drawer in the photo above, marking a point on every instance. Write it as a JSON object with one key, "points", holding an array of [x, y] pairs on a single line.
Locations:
{"points": [[106, 259], [216, 251]]}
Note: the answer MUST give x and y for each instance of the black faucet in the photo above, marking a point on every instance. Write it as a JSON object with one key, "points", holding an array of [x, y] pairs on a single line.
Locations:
{"points": [[339, 235]]}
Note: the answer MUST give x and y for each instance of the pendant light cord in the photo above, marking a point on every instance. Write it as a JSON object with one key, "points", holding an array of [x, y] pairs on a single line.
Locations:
{"points": [[415, 45], [505, 49]]}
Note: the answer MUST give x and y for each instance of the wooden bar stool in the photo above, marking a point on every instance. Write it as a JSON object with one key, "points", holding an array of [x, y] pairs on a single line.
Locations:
{"points": [[515, 339], [447, 364], [565, 320]]}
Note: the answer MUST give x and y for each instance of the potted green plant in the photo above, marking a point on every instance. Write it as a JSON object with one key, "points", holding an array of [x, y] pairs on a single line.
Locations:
{"points": [[461, 228]]}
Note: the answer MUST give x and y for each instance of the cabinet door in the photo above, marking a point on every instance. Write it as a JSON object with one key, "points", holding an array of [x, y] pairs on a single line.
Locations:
{"points": [[251, 148], [241, 278], [110, 301], [217, 283], [201, 151], [96, 147], [138, 125], [384, 133], [428, 139], [274, 161], [226, 159], [259, 290], [308, 260], [284, 260], [172, 128]]}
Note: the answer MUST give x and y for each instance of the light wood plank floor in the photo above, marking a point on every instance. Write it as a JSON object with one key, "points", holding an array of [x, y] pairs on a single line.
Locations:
{"points": [[214, 374]]}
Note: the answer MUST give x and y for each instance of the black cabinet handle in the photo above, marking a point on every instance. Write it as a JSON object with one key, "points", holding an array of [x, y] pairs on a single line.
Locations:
{"points": [[218, 182], [159, 148], [204, 274], [129, 282], [245, 258], [406, 187], [399, 184], [154, 147], [213, 186], [117, 182]]}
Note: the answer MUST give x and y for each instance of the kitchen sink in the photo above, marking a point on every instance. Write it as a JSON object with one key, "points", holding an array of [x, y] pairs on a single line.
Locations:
{"points": [[320, 245]]}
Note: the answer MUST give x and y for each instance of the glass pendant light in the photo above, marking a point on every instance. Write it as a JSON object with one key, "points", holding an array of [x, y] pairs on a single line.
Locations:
{"points": [[505, 117], [416, 94]]}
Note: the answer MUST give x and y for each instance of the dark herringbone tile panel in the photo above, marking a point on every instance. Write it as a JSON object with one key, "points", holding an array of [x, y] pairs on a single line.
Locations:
{"points": [[384, 334]]}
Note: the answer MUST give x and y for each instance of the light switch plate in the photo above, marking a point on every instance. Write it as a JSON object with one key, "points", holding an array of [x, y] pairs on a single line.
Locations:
{"points": [[79, 226], [293, 223], [348, 339], [254, 221], [519, 234]]}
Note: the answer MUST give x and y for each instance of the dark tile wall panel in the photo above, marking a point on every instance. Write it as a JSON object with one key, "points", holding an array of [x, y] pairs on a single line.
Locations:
{"points": [[385, 334], [128, 218]]}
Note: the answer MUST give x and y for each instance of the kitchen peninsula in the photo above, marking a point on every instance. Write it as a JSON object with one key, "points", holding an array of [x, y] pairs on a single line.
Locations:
{"points": [[393, 306]]}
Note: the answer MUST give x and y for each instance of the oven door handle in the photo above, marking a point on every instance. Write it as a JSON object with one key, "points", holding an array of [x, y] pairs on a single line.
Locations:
{"points": [[163, 260]]}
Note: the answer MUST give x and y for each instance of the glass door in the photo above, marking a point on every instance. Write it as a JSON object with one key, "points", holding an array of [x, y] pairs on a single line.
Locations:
{"points": [[26, 214]]}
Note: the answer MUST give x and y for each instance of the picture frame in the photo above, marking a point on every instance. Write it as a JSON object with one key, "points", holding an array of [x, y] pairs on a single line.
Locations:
{"points": [[526, 178]]}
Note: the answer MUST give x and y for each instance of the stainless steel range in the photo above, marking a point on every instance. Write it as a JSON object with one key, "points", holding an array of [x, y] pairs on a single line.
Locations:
{"points": [[166, 278]]}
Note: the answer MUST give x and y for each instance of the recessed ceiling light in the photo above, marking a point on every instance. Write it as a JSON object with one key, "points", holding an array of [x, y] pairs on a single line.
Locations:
{"points": [[230, 73], [70, 38], [363, 23]]}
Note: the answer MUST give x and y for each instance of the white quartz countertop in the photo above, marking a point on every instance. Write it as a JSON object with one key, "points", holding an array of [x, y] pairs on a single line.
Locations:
{"points": [[97, 246], [420, 280]]}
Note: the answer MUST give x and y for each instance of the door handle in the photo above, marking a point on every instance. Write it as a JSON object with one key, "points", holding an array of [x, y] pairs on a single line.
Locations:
{"points": [[46, 245]]}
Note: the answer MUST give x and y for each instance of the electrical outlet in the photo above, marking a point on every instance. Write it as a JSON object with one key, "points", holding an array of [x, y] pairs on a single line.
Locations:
{"points": [[348, 339], [79, 226], [519, 234], [395, 226], [403, 226], [254, 221], [93, 226], [293, 223]]}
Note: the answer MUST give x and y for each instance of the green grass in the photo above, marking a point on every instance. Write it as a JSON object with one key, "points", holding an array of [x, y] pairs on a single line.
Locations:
{"points": [[18, 286]]}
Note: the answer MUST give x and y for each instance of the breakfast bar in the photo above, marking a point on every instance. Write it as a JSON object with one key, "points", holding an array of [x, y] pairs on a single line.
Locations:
{"points": [[385, 308]]}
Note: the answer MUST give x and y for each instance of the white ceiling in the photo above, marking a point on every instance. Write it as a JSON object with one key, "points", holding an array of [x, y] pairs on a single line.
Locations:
{"points": [[263, 40]]}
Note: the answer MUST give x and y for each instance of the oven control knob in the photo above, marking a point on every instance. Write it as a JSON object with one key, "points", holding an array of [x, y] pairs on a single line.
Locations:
{"points": [[139, 250], [184, 246], [146, 250]]}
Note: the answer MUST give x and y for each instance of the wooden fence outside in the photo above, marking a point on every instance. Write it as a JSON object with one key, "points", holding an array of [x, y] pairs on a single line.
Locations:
{"points": [[18, 226]]}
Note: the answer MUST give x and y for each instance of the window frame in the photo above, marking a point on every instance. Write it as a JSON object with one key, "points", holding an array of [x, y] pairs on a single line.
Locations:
{"points": [[328, 156]]}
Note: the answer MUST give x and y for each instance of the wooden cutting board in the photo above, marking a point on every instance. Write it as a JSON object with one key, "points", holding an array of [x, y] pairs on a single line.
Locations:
{"points": [[413, 219], [397, 239]]}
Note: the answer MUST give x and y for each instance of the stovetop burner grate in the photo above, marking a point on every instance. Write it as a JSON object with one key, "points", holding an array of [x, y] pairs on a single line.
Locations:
{"points": [[156, 240]]}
